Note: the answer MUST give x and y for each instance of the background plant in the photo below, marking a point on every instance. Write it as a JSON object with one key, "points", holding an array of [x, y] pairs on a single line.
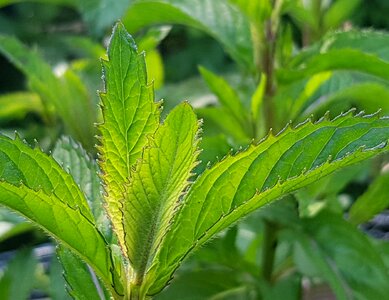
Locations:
{"points": [[319, 78]]}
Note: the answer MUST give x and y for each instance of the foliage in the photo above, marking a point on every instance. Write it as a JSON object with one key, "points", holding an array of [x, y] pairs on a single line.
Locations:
{"points": [[159, 217]]}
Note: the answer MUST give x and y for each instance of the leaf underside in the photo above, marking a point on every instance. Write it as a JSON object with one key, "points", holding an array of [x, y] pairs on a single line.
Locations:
{"points": [[263, 173]]}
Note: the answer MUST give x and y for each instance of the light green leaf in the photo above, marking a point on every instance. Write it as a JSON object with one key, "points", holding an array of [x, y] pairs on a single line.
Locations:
{"points": [[232, 31], [217, 117], [228, 98], [159, 180], [17, 105], [74, 104], [129, 114], [367, 96], [337, 59], [34, 185], [81, 280], [339, 12], [18, 279], [373, 201], [263, 173]]}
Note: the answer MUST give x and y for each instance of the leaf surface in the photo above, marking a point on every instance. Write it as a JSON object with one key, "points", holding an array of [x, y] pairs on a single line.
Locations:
{"points": [[232, 31], [350, 264], [34, 185], [263, 173], [373, 201], [157, 183], [129, 113], [82, 282]]}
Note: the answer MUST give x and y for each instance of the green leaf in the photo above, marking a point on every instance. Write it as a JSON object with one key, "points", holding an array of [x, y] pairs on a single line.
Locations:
{"points": [[129, 114], [263, 173], [81, 280], [73, 104], [17, 105], [339, 12], [349, 263], [222, 119], [373, 201], [229, 100], [18, 279], [337, 59], [32, 182], [57, 289], [232, 31], [159, 180]]}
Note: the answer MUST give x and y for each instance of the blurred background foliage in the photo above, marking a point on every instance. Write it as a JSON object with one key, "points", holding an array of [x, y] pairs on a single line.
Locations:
{"points": [[246, 66]]}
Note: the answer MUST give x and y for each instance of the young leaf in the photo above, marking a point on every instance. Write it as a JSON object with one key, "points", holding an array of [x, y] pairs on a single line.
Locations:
{"points": [[129, 113], [263, 173], [160, 178]]}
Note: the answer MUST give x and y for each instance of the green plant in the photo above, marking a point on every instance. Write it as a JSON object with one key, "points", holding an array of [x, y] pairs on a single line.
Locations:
{"points": [[158, 216]]}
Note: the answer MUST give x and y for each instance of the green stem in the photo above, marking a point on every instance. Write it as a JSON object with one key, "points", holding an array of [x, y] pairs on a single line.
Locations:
{"points": [[269, 248]]}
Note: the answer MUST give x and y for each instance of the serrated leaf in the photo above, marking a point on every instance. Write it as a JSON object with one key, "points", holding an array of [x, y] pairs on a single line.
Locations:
{"points": [[129, 114], [232, 31], [34, 185], [81, 280], [263, 173], [157, 183]]}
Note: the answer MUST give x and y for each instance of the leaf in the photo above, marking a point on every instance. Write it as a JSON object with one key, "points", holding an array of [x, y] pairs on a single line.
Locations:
{"points": [[349, 263], [337, 59], [100, 14], [82, 282], [57, 288], [373, 201], [84, 171], [232, 31], [220, 118], [228, 98], [17, 105], [263, 173], [339, 12], [73, 104], [129, 114], [206, 284], [34, 185], [159, 180], [17, 281]]}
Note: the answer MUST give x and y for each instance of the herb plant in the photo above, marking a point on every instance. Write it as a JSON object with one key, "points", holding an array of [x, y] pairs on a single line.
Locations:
{"points": [[155, 212]]}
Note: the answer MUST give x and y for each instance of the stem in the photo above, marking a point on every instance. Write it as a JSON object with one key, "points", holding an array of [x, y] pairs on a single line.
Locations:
{"points": [[269, 247], [268, 62]]}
